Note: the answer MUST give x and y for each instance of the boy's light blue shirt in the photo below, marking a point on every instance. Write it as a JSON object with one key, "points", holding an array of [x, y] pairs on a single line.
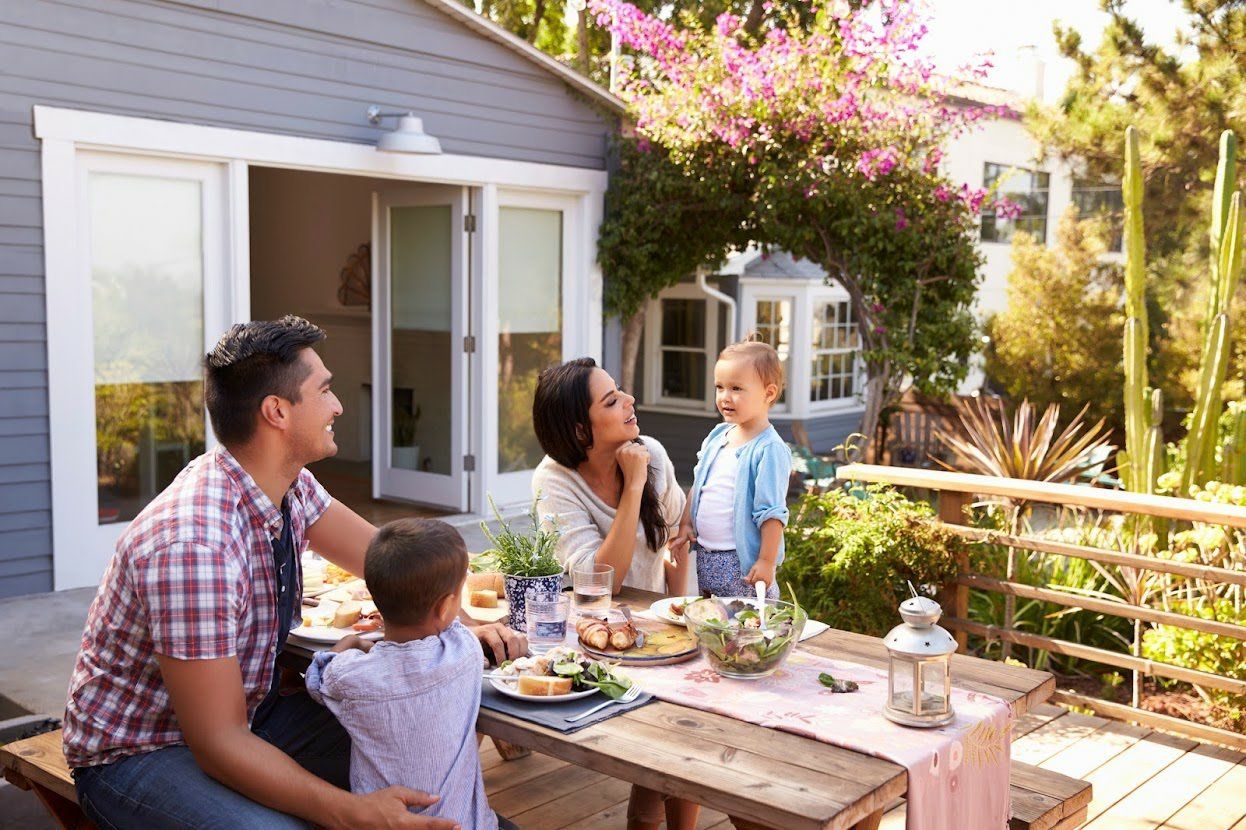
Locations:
{"points": [[765, 465]]}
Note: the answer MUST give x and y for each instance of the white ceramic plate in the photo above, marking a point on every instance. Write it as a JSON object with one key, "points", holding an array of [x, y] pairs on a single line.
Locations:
{"points": [[507, 688], [662, 609], [325, 634]]}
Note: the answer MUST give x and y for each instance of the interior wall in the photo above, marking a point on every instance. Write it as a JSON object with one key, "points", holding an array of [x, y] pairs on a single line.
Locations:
{"points": [[304, 227]]}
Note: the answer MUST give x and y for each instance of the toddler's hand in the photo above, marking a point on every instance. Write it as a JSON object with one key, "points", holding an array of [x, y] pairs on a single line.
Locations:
{"points": [[761, 571], [351, 641]]}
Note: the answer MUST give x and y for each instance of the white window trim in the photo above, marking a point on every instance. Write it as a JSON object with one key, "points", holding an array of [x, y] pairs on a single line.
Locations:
{"points": [[65, 132], [833, 294], [806, 294], [653, 349], [748, 324]]}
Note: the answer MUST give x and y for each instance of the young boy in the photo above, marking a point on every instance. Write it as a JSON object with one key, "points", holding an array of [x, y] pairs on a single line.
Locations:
{"points": [[737, 509], [410, 702]]}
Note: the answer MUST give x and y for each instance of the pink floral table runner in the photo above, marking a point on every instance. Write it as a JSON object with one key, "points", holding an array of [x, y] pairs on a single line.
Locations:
{"points": [[958, 773]]}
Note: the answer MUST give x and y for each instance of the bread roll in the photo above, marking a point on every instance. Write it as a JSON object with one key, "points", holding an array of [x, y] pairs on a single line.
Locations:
{"points": [[484, 599], [593, 633], [347, 614], [544, 686]]}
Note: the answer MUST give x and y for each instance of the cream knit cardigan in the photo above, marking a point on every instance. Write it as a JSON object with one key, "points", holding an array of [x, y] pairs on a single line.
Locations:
{"points": [[584, 519]]}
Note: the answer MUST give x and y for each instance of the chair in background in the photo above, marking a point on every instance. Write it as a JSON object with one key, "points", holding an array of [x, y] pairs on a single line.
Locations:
{"points": [[816, 472]]}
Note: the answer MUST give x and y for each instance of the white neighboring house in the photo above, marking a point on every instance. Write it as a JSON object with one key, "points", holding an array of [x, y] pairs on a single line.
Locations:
{"points": [[811, 322]]}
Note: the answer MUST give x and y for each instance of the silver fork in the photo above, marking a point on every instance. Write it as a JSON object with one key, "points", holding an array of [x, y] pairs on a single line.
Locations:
{"points": [[631, 694]]}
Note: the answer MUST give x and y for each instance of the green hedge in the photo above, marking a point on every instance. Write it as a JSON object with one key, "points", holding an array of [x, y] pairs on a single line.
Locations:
{"points": [[849, 556]]}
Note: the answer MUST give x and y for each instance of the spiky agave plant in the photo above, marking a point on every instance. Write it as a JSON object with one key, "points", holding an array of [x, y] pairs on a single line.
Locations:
{"points": [[1025, 446]]}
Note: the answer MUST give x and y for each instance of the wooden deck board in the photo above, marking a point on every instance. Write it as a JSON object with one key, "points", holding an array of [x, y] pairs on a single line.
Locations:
{"points": [[1042, 714], [1224, 801], [1096, 749], [1054, 736], [1132, 768], [1169, 790]]}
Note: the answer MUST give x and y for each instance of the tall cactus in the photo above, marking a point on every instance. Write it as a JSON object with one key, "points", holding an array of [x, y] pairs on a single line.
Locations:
{"points": [[1133, 461], [1225, 267], [1233, 453]]}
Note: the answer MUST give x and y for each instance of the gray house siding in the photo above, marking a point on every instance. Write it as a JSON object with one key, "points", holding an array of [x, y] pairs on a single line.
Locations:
{"points": [[279, 66], [682, 435]]}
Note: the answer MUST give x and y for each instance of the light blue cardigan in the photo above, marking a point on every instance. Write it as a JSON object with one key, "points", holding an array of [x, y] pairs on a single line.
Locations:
{"points": [[765, 464]]}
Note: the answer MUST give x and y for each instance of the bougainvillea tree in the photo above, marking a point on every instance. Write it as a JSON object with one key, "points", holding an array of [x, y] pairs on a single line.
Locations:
{"points": [[832, 131]]}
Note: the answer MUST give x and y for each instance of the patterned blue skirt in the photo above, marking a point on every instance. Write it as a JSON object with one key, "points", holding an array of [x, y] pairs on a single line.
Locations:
{"points": [[718, 573]]}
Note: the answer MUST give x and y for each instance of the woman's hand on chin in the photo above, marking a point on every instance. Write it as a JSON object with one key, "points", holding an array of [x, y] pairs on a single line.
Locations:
{"points": [[633, 461]]}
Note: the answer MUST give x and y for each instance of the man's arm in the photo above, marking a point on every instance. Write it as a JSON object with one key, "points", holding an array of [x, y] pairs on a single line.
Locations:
{"points": [[341, 535], [209, 702]]}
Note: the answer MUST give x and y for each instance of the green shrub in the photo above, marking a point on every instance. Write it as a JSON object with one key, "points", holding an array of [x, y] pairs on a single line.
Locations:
{"points": [[848, 558], [1204, 652], [1069, 574]]}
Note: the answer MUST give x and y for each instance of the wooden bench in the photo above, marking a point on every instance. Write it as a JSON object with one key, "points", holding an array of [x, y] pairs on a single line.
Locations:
{"points": [[1041, 799], [1046, 800], [38, 764]]}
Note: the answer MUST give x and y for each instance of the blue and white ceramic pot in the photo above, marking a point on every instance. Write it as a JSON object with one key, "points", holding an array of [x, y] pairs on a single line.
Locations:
{"points": [[517, 588]]}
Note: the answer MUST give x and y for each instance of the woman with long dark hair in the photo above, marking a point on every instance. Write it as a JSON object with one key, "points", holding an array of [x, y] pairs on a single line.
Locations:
{"points": [[613, 491], [615, 499]]}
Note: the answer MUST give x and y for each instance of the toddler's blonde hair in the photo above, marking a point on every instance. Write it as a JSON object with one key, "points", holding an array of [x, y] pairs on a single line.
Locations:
{"points": [[763, 358]]}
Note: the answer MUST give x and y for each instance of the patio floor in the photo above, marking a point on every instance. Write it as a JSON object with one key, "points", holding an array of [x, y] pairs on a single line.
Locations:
{"points": [[1141, 778]]}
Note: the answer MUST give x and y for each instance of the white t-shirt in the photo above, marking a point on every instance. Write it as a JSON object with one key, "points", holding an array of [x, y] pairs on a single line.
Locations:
{"points": [[715, 519]]}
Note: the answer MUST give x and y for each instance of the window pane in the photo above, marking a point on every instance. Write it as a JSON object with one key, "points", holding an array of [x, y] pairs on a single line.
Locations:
{"points": [[683, 375], [1096, 199], [421, 277], [529, 324], [774, 326], [1029, 190], [683, 323], [146, 257]]}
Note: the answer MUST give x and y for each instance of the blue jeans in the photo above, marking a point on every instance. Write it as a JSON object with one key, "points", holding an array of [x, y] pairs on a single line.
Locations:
{"points": [[165, 788]]}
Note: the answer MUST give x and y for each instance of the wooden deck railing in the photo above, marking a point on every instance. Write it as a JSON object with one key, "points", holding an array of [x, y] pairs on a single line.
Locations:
{"points": [[958, 489]]}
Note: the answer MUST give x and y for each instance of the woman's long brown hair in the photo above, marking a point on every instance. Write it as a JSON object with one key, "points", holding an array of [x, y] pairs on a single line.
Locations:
{"points": [[561, 421]]}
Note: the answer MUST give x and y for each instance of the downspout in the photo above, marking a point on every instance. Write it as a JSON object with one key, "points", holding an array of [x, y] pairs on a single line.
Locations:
{"points": [[726, 299]]}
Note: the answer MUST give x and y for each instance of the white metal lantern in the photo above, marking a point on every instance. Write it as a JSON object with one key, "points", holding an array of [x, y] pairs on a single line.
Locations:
{"points": [[919, 680]]}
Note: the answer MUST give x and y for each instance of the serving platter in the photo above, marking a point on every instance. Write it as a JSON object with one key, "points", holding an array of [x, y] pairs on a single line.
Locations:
{"points": [[664, 644]]}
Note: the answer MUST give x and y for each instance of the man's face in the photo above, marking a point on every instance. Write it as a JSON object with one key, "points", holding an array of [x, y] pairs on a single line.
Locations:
{"points": [[311, 419]]}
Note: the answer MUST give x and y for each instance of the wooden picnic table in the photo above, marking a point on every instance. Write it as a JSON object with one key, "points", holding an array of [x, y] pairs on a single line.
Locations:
{"points": [[760, 776]]}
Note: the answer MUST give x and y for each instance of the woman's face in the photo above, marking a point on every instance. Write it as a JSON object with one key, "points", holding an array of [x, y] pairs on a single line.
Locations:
{"points": [[611, 411]]}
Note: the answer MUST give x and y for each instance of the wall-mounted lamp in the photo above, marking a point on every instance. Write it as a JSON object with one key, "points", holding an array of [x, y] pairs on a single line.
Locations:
{"points": [[407, 137]]}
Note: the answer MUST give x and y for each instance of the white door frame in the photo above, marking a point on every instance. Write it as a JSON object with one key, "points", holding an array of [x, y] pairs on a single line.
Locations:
{"points": [[66, 132], [515, 487], [387, 480]]}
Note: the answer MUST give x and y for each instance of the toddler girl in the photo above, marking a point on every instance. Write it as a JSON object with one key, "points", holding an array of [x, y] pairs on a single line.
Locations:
{"points": [[738, 505]]}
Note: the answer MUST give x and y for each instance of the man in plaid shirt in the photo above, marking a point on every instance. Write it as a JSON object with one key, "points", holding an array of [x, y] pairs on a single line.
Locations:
{"points": [[174, 716]]}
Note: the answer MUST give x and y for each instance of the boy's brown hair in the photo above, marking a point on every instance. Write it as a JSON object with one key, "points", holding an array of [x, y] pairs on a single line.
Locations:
{"points": [[410, 565], [763, 358]]}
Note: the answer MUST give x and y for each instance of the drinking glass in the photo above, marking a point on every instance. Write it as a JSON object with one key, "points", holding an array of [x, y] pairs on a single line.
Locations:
{"points": [[547, 619], [591, 585]]}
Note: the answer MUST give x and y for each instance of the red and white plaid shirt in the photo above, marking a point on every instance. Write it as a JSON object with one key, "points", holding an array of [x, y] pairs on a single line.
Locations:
{"points": [[193, 578]]}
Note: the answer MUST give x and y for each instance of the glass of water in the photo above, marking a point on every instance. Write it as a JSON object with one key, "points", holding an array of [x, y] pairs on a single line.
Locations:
{"points": [[547, 619], [591, 586]]}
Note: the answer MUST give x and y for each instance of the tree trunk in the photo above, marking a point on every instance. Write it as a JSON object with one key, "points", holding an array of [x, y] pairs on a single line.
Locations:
{"points": [[632, 329], [583, 59], [875, 399], [756, 14], [536, 21]]}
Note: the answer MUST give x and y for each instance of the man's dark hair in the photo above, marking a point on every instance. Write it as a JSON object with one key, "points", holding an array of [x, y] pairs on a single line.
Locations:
{"points": [[412, 563], [250, 362]]}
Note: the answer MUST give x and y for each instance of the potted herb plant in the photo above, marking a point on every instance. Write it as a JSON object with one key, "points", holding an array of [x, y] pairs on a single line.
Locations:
{"points": [[526, 561]]}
